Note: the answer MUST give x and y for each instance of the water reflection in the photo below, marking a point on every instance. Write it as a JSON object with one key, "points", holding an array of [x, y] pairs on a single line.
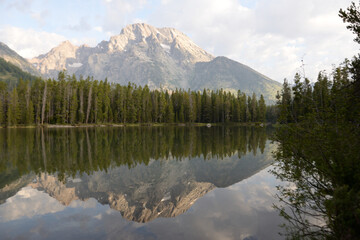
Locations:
{"points": [[145, 173], [69, 151]]}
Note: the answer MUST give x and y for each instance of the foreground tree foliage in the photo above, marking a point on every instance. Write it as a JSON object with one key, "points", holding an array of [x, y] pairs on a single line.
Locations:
{"points": [[319, 151], [68, 100]]}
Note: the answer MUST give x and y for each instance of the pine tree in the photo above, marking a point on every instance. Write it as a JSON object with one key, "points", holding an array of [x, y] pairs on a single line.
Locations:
{"points": [[107, 103], [181, 114], [130, 105], [44, 96], [284, 103], [236, 109], [205, 107], [162, 106], [89, 100], [192, 106], [262, 109], [170, 116], [227, 107], [3, 92], [253, 108], [73, 106], [36, 98], [155, 107], [146, 104], [186, 106], [21, 89], [243, 108], [81, 100], [30, 114], [13, 108]]}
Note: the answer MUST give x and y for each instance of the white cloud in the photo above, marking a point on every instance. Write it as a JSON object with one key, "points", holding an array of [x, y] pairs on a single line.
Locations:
{"points": [[28, 42], [92, 42], [98, 29], [20, 5], [120, 13], [82, 25], [40, 17], [272, 37]]}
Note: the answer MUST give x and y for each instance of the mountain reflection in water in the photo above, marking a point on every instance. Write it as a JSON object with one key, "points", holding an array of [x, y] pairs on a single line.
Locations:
{"points": [[145, 173]]}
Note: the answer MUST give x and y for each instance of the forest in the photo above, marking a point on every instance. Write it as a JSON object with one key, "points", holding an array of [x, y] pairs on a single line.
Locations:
{"points": [[69, 100]]}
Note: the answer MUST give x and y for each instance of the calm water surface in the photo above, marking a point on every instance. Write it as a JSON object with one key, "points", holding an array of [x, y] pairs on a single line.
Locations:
{"points": [[137, 183]]}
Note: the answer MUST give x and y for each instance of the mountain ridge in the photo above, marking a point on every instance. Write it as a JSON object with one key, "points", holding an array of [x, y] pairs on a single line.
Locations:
{"points": [[14, 58], [158, 57]]}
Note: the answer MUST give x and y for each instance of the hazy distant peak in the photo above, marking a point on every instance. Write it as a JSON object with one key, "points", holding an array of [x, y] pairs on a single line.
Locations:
{"points": [[57, 57], [158, 57], [66, 43], [65, 47]]}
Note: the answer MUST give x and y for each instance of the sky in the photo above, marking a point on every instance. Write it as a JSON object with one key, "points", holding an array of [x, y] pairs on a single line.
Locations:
{"points": [[275, 37]]}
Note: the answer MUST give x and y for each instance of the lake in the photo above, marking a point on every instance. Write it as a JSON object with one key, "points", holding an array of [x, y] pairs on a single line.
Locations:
{"points": [[137, 183]]}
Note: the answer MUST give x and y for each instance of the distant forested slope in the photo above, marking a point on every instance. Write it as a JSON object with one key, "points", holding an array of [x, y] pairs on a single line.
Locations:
{"points": [[11, 74]]}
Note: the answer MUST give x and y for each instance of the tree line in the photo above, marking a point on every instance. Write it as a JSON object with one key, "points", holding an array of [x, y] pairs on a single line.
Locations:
{"points": [[69, 100]]}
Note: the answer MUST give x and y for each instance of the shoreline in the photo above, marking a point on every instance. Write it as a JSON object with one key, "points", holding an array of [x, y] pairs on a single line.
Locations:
{"points": [[139, 125]]}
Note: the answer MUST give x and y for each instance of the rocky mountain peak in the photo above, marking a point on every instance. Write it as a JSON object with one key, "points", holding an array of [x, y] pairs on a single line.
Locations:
{"points": [[146, 55], [138, 31], [65, 49], [66, 43], [185, 50], [56, 59]]}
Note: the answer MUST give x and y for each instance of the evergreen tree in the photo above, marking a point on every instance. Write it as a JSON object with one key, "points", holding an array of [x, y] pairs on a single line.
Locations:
{"points": [[81, 100], [130, 105], [170, 116], [262, 109], [14, 114], [3, 91], [253, 108], [73, 106], [284, 103], [205, 107], [22, 92], [162, 106]]}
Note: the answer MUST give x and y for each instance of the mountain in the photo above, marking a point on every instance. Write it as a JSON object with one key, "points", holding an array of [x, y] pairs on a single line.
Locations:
{"points": [[159, 57], [225, 73], [12, 57]]}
